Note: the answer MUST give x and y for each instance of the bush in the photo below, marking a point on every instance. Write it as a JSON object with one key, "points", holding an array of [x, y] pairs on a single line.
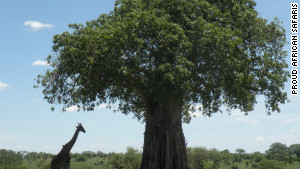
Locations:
{"points": [[258, 158], [254, 165], [80, 158], [10, 159], [247, 163], [234, 166], [130, 160], [46, 165], [270, 164], [81, 166]]}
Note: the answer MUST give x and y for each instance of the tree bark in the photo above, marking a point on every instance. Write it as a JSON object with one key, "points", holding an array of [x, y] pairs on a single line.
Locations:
{"points": [[164, 142]]}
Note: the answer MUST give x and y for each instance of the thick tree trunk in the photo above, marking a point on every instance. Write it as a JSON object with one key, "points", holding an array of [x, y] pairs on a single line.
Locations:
{"points": [[164, 142]]}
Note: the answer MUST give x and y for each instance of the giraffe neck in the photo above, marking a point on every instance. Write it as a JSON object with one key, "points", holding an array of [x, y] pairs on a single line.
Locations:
{"points": [[67, 147]]}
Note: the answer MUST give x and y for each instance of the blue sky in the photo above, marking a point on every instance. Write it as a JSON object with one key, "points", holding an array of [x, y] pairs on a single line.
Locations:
{"points": [[27, 123]]}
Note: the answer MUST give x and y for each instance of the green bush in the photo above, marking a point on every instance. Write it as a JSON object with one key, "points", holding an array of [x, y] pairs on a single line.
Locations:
{"points": [[81, 166], [130, 160], [80, 158], [234, 166], [270, 164], [10, 159], [258, 158], [46, 165], [254, 165]]}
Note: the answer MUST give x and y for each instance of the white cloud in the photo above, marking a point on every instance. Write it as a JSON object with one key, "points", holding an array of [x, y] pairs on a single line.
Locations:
{"points": [[3, 86], [237, 113], [288, 138], [294, 130], [35, 25], [34, 100], [260, 139], [40, 63], [252, 122], [21, 147], [288, 121], [15, 147], [50, 148], [72, 109]]}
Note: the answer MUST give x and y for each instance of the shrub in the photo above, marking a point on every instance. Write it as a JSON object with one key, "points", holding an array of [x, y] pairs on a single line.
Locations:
{"points": [[270, 164], [80, 158], [10, 159], [130, 160], [254, 165], [234, 166], [258, 158]]}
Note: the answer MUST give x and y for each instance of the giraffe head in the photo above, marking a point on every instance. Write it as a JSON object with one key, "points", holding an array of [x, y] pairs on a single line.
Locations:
{"points": [[80, 128]]}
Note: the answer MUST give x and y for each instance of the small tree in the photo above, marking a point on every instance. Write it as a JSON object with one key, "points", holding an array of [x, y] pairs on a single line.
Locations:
{"points": [[217, 157], [197, 157], [134, 157], [295, 149], [117, 161], [257, 157], [278, 151], [240, 151]]}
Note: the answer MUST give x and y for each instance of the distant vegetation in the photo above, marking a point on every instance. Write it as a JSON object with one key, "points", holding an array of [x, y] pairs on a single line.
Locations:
{"points": [[278, 156]]}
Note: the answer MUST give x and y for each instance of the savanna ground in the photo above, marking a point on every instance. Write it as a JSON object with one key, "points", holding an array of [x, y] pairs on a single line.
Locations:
{"points": [[279, 156]]}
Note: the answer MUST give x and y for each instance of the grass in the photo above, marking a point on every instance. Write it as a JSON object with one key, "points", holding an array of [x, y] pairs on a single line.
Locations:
{"points": [[242, 165], [95, 163], [92, 163]]}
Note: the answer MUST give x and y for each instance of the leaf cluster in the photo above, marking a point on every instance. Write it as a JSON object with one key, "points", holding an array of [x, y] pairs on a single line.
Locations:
{"points": [[205, 52]]}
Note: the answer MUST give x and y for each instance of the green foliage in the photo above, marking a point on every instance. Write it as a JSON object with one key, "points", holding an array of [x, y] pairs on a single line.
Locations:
{"points": [[33, 156], [237, 158], [196, 157], [234, 166], [10, 159], [80, 158], [46, 165], [204, 52], [130, 160], [278, 151], [258, 157], [254, 165], [82, 166], [247, 163], [200, 158], [270, 164], [295, 149], [89, 154], [240, 151], [132, 157]]}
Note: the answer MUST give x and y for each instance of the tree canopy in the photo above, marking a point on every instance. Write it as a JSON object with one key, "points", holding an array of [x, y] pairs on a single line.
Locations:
{"points": [[204, 52], [160, 58]]}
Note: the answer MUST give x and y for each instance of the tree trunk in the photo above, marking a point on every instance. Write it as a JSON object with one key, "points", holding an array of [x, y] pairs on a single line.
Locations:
{"points": [[164, 142]]}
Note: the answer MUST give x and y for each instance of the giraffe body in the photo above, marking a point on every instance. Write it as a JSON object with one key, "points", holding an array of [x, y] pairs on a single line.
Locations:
{"points": [[62, 159]]}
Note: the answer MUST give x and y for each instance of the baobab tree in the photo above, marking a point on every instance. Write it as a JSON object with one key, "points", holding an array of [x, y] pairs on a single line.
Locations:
{"points": [[160, 58]]}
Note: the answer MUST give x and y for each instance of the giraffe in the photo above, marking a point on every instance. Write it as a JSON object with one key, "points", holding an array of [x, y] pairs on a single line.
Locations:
{"points": [[63, 158]]}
